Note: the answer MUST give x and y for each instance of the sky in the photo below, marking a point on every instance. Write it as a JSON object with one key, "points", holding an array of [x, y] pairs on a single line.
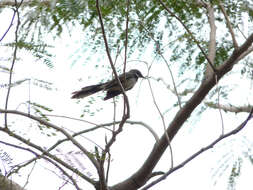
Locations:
{"points": [[73, 70]]}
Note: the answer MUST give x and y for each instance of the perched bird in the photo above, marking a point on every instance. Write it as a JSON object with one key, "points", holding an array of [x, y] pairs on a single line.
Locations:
{"points": [[112, 87]]}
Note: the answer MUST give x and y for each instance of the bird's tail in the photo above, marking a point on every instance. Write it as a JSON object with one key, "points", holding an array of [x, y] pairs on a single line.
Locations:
{"points": [[87, 91]]}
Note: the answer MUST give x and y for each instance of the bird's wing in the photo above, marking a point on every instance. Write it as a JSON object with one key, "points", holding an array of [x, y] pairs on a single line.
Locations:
{"points": [[113, 84]]}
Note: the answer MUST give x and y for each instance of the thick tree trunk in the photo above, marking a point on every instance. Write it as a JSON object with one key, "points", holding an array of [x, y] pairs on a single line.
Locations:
{"points": [[7, 184]]}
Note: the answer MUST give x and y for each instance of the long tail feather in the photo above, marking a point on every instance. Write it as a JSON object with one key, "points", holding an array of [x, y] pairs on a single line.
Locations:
{"points": [[87, 91]]}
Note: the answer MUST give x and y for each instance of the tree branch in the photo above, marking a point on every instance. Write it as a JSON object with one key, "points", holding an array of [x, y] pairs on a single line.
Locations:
{"points": [[86, 152], [141, 176], [41, 156], [126, 114], [16, 10], [190, 33], [183, 93], [229, 108], [126, 109], [12, 20], [44, 152], [163, 122], [228, 24], [212, 39], [159, 52], [246, 53], [211, 145]]}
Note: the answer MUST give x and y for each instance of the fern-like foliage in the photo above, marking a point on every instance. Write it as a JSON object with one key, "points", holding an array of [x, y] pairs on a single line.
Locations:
{"points": [[39, 51]]}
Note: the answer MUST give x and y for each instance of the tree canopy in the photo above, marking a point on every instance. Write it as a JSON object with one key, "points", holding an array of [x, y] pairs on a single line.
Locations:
{"points": [[184, 49]]}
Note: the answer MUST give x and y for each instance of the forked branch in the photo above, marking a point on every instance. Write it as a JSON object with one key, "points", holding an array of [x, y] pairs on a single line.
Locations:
{"points": [[211, 145], [228, 24]]}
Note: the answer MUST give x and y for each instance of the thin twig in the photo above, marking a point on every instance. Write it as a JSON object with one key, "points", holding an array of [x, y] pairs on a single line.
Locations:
{"points": [[164, 126], [126, 102], [221, 117], [173, 81], [72, 118], [126, 35], [29, 175], [190, 33], [104, 126], [40, 156], [114, 100], [159, 52], [228, 24], [13, 60], [183, 93], [126, 109], [12, 20], [63, 172], [107, 47], [86, 138], [46, 123], [44, 152], [244, 36]]}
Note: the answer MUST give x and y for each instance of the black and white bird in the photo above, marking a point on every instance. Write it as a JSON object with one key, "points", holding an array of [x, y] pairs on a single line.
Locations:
{"points": [[112, 87]]}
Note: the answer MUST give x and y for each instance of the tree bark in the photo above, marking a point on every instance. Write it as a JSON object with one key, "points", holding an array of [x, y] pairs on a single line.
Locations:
{"points": [[7, 184]]}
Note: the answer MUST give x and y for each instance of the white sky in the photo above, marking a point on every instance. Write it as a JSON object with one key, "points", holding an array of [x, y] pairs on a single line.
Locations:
{"points": [[135, 142]]}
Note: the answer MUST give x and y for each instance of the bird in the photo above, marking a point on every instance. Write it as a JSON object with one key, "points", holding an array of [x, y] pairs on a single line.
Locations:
{"points": [[112, 87]]}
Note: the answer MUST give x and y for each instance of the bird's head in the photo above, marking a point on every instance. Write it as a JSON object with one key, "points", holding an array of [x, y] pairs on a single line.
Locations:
{"points": [[137, 73]]}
